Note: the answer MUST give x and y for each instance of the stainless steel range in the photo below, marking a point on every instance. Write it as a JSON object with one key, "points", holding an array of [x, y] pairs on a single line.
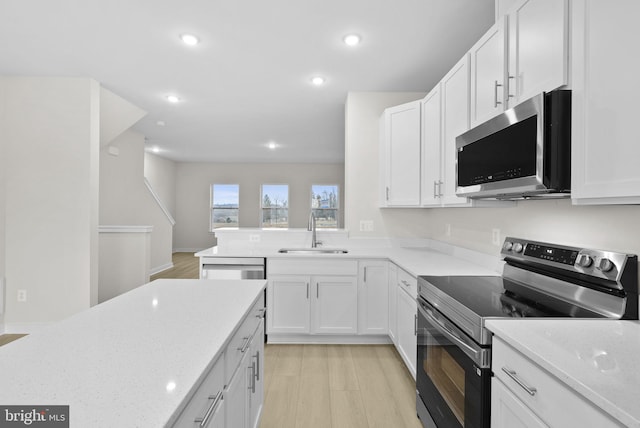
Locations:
{"points": [[539, 280]]}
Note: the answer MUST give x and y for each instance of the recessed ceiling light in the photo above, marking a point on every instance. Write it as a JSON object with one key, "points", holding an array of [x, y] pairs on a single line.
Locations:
{"points": [[173, 98], [352, 40], [155, 149], [272, 145], [318, 80], [189, 39], [160, 123]]}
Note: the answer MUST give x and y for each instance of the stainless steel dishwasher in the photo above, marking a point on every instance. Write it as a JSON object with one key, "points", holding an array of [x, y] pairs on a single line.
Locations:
{"points": [[233, 268]]}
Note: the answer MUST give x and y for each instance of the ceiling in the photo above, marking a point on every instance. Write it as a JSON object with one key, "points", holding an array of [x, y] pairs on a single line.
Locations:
{"points": [[248, 82]]}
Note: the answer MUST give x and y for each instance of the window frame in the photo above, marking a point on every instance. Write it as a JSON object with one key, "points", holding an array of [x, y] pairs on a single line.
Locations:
{"points": [[262, 207], [212, 224], [336, 209]]}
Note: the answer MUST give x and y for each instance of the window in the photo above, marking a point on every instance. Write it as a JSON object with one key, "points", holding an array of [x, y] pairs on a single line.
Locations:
{"points": [[275, 205], [225, 204], [324, 203]]}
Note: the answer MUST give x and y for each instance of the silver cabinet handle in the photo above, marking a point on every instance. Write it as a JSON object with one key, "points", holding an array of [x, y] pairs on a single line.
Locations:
{"points": [[317, 290], [495, 94], [261, 313], [508, 89], [415, 325], [257, 365], [211, 410], [387, 193], [440, 183], [365, 274], [435, 185], [245, 344], [307, 290], [405, 283], [513, 375], [253, 377]]}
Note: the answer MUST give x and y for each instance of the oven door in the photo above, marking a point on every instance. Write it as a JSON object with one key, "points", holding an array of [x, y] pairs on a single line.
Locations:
{"points": [[453, 377]]}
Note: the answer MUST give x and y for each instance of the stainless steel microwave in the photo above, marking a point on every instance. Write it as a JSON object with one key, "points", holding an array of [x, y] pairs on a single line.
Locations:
{"points": [[525, 152]]}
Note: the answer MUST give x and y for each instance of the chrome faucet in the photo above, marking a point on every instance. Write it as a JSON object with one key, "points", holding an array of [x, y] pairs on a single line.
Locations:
{"points": [[312, 228]]}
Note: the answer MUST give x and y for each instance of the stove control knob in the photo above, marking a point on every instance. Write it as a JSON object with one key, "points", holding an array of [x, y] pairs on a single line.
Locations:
{"points": [[584, 260], [517, 247], [605, 265], [507, 246]]}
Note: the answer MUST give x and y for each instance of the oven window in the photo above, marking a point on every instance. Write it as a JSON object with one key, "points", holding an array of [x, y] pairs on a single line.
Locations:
{"points": [[448, 377]]}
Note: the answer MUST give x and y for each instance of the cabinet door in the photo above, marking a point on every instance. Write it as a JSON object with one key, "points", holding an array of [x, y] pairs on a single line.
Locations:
{"points": [[538, 47], [373, 296], [236, 397], [488, 67], [455, 121], [402, 135], [255, 385], [393, 298], [509, 412], [431, 145], [335, 302], [288, 304], [407, 339], [604, 134]]}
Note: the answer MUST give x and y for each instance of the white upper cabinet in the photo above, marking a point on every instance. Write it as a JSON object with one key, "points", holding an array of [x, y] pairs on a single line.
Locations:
{"points": [[605, 108], [538, 48], [525, 53], [400, 160], [488, 62], [431, 148]]}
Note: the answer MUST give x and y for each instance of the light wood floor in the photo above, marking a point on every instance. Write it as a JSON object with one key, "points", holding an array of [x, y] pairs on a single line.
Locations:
{"points": [[185, 266], [7, 338], [337, 386], [332, 386]]}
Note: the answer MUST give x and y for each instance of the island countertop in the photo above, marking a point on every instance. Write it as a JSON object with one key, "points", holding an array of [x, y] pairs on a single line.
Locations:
{"points": [[132, 360]]}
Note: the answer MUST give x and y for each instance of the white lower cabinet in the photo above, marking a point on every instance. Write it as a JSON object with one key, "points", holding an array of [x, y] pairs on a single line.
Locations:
{"points": [[525, 395], [392, 290], [323, 300], [373, 297], [407, 314], [231, 395]]}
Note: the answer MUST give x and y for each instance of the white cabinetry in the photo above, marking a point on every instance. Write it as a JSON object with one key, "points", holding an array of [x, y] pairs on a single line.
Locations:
{"points": [[407, 313], [431, 148], [605, 149], [207, 405], [400, 159], [373, 297], [393, 305], [312, 296], [523, 54], [525, 395]]}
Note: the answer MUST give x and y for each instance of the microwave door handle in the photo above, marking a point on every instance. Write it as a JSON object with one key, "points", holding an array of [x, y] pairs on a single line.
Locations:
{"points": [[448, 334]]}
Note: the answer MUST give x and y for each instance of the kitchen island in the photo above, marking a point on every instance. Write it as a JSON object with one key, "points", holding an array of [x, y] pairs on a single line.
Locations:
{"points": [[136, 360]]}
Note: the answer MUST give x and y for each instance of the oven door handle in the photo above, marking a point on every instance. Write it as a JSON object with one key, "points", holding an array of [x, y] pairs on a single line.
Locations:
{"points": [[446, 331]]}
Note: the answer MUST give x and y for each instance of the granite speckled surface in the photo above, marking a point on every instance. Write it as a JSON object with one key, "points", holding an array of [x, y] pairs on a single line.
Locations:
{"points": [[600, 359], [132, 360]]}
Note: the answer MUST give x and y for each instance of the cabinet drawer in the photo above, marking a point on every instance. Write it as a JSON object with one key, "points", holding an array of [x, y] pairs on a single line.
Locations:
{"points": [[541, 392], [207, 400], [408, 282], [241, 339], [298, 266]]}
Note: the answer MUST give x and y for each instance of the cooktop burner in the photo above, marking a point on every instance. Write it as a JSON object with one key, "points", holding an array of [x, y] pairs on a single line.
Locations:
{"points": [[495, 296]]}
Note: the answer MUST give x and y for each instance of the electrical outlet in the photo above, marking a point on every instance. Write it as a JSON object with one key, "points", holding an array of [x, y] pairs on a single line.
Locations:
{"points": [[366, 225], [495, 236], [447, 229], [254, 238], [22, 295]]}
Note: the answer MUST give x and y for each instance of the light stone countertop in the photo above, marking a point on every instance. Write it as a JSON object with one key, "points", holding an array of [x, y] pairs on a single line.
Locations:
{"points": [[132, 360], [600, 359], [415, 260]]}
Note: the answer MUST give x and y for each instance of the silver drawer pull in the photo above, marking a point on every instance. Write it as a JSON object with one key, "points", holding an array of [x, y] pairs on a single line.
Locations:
{"points": [[245, 344], [513, 375], [211, 410], [405, 283], [261, 313]]}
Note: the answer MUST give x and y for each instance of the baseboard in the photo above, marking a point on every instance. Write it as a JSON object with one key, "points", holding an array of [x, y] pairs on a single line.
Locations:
{"points": [[332, 339], [159, 269], [25, 327]]}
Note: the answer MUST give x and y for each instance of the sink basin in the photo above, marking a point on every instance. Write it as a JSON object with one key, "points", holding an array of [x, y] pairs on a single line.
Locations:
{"points": [[313, 251]]}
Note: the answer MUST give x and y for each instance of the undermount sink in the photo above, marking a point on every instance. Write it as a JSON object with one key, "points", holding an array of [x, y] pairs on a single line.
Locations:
{"points": [[313, 251]]}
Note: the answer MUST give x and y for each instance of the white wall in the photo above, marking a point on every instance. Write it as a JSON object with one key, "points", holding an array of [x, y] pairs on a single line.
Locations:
{"points": [[3, 158], [125, 200], [362, 172], [557, 221], [161, 173], [50, 134], [193, 183]]}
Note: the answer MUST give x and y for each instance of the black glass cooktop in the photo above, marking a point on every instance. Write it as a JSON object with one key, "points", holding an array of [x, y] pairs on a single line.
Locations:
{"points": [[495, 296]]}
